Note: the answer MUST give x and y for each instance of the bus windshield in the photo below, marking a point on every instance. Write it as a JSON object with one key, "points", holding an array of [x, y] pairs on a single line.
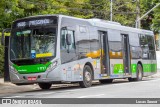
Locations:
{"points": [[33, 43]]}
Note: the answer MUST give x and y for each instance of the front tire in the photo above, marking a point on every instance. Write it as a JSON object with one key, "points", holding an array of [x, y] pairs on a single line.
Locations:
{"points": [[87, 77], [45, 86]]}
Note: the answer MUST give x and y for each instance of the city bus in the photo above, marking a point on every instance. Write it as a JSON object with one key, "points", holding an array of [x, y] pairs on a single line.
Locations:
{"points": [[50, 49]]}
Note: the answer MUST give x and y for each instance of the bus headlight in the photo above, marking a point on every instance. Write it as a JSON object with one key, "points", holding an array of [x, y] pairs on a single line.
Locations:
{"points": [[13, 69], [52, 66]]}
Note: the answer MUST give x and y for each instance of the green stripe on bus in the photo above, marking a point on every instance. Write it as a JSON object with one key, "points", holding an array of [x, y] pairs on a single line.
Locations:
{"points": [[149, 67], [26, 69], [133, 68], [118, 68]]}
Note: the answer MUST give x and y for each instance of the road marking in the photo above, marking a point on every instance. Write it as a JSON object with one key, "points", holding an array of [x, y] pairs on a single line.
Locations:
{"points": [[73, 90], [13, 97], [91, 96], [47, 93]]}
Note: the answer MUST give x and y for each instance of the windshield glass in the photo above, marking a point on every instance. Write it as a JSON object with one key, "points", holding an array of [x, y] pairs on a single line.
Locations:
{"points": [[33, 43]]}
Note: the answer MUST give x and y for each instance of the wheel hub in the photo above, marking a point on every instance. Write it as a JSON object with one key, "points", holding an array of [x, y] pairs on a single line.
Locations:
{"points": [[140, 74], [87, 76]]}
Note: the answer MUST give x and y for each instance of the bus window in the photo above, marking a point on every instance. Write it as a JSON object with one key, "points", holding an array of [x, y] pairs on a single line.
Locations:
{"points": [[135, 49], [115, 44], [144, 46], [151, 47], [134, 39], [68, 52], [63, 40]]}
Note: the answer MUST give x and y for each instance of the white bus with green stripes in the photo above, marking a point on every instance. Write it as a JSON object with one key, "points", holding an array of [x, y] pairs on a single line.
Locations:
{"points": [[50, 49]]}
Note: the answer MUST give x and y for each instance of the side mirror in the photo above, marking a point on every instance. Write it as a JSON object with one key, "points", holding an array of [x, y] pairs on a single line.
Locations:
{"points": [[68, 39]]}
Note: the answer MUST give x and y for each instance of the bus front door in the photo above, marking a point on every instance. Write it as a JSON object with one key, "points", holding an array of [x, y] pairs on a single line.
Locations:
{"points": [[126, 54], [105, 62]]}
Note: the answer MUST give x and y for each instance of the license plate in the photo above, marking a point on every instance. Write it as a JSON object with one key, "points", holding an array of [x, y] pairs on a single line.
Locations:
{"points": [[32, 78]]}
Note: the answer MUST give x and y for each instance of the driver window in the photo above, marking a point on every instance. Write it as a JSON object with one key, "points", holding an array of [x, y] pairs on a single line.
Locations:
{"points": [[63, 40]]}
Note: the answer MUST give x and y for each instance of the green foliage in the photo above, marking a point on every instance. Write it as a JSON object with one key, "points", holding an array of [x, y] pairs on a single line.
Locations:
{"points": [[125, 12], [101, 9], [156, 20], [79, 8], [152, 20]]}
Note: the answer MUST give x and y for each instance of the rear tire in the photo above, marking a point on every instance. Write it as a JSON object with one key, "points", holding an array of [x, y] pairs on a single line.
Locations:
{"points": [[139, 74], [106, 81], [87, 77], [45, 86]]}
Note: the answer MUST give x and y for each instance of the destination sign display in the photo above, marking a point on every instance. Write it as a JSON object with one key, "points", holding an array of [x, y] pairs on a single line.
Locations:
{"points": [[33, 22]]}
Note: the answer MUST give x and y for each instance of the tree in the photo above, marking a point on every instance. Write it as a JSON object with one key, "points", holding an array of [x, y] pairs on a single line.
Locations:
{"points": [[156, 20], [123, 11], [151, 21], [14, 9], [9, 12], [100, 9], [79, 8]]}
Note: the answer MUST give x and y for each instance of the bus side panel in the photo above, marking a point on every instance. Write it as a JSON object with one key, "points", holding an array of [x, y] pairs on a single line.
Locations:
{"points": [[148, 54], [115, 54], [86, 42], [134, 67], [117, 70], [73, 71], [149, 67]]}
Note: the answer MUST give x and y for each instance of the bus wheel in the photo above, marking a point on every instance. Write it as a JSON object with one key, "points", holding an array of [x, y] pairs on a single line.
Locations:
{"points": [[45, 86], [106, 81], [87, 77], [139, 73]]}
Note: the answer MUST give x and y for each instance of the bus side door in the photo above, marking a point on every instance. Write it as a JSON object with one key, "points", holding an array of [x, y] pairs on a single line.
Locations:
{"points": [[105, 61], [68, 52], [126, 54]]}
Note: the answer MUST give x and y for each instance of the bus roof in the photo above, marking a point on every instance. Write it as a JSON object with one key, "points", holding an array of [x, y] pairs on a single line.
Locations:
{"points": [[112, 25], [117, 26], [101, 23]]}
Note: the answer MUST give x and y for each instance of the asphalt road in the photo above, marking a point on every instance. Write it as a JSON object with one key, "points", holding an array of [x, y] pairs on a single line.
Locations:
{"points": [[148, 88]]}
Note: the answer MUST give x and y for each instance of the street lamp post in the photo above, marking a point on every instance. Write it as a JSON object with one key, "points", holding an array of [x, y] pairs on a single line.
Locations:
{"points": [[111, 9], [138, 14]]}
